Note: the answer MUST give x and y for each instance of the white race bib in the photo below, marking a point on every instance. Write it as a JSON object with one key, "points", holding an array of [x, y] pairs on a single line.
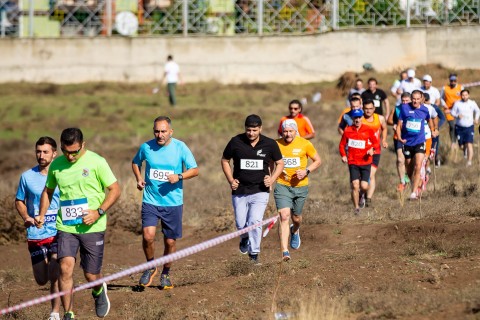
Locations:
{"points": [[414, 126], [250, 164], [160, 175], [73, 209], [376, 103], [357, 144], [293, 162]]}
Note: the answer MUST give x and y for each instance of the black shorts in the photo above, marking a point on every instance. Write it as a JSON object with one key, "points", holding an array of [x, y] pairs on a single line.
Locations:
{"points": [[410, 151], [376, 160], [361, 173], [91, 247], [397, 144], [41, 250]]}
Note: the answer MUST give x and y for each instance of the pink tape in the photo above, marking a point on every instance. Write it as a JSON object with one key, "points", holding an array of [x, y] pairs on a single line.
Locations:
{"points": [[148, 265]]}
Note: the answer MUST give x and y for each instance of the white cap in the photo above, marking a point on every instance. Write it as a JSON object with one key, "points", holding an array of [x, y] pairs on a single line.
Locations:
{"points": [[290, 123], [411, 73], [427, 77]]}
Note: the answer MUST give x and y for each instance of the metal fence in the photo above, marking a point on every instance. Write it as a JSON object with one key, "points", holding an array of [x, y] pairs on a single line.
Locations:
{"points": [[67, 18]]}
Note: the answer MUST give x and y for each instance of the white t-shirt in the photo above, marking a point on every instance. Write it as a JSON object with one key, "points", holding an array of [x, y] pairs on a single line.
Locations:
{"points": [[433, 114], [408, 86], [466, 110], [172, 70], [432, 92]]}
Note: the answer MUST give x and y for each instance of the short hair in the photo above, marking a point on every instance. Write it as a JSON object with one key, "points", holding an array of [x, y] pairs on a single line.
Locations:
{"points": [[170, 57], [163, 118], [372, 79], [465, 90], [417, 91], [405, 95], [368, 101], [70, 136], [296, 101], [253, 121], [426, 96], [358, 79], [352, 99], [46, 140]]}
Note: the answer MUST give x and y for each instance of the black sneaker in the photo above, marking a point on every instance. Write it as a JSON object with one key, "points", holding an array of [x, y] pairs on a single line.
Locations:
{"points": [[69, 315], [244, 243], [102, 304], [368, 202], [254, 259]]}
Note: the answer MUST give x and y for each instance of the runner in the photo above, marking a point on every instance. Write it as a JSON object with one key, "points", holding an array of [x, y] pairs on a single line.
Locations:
{"points": [[411, 132], [379, 126], [345, 120], [428, 136], [358, 89], [81, 176], [433, 92], [42, 243], [360, 140], [253, 155], [397, 145], [291, 189], [165, 157], [395, 89], [411, 83], [305, 127], [451, 93], [464, 111], [378, 96]]}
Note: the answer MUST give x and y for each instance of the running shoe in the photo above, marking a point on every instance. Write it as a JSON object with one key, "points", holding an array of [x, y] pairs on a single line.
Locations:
{"points": [[469, 163], [69, 315], [147, 277], [368, 202], [244, 243], [254, 259], [54, 316], [165, 282], [356, 211], [102, 303], [361, 203], [295, 240], [401, 187], [413, 196], [286, 256]]}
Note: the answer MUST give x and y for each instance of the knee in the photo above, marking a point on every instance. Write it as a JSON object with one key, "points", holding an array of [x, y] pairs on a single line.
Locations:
{"points": [[355, 185], [170, 242], [148, 237]]}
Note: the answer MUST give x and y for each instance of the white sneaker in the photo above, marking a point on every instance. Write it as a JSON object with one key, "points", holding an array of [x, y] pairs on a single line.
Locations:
{"points": [[413, 196], [54, 316], [469, 163]]}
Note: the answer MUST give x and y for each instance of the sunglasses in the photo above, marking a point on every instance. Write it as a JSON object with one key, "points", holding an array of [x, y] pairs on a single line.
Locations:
{"points": [[71, 153], [294, 108]]}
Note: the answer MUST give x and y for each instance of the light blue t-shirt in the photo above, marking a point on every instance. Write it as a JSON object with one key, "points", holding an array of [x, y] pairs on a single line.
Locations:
{"points": [[30, 188], [160, 162]]}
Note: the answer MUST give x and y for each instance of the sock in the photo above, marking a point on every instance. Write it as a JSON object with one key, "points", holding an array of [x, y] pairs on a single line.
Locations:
{"points": [[165, 270], [55, 315], [97, 293]]}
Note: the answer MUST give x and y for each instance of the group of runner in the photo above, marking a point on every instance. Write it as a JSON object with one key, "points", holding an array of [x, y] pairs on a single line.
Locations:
{"points": [[63, 201], [416, 120]]}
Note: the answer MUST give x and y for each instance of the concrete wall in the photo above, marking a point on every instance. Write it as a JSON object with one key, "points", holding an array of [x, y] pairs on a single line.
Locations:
{"points": [[237, 59]]}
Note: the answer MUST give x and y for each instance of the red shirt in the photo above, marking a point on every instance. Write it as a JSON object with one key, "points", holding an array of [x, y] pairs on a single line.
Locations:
{"points": [[359, 141], [303, 123]]}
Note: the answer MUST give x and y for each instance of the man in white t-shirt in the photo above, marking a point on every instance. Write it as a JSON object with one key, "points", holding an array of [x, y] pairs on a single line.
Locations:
{"points": [[172, 74], [411, 83], [431, 90]]}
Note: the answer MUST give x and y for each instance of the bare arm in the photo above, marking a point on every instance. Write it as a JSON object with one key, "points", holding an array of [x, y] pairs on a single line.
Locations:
{"points": [[399, 131], [22, 211], [268, 180], [227, 171], [112, 196], [137, 172], [387, 106], [317, 161], [384, 132], [45, 200], [189, 174]]}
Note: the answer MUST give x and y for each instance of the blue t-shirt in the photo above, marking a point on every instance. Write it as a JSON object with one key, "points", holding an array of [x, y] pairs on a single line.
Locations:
{"points": [[160, 162], [413, 128], [30, 188]]}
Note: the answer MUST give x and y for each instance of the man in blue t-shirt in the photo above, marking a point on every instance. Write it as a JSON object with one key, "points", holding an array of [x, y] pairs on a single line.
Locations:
{"points": [[42, 243], [411, 132], [165, 159]]}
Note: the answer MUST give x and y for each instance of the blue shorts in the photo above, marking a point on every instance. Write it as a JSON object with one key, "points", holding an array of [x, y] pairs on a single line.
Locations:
{"points": [[397, 144], [464, 134], [171, 218]]}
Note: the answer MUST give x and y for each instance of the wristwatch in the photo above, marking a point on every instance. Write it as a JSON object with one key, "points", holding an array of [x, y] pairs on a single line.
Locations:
{"points": [[308, 171], [180, 176], [101, 212]]}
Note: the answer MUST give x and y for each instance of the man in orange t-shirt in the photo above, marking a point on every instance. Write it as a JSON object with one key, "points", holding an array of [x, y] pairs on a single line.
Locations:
{"points": [[450, 94], [305, 127]]}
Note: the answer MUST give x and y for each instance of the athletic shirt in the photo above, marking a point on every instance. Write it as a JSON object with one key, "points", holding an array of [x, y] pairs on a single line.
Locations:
{"points": [[358, 143], [376, 126], [466, 109], [378, 97], [413, 128], [251, 164], [433, 114], [172, 70], [162, 161], [295, 157], [82, 181], [450, 95], [303, 123], [30, 189]]}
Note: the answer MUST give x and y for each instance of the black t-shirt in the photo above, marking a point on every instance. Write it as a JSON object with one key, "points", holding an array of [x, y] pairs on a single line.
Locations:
{"points": [[378, 97], [250, 164]]}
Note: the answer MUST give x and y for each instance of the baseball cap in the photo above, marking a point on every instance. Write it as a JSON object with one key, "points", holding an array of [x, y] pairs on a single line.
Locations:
{"points": [[411, 73], [427, 77], [452, 77], [357, 113], [289, 123]]}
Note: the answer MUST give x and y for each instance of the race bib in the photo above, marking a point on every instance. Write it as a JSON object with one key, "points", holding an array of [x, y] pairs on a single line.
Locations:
{"points": [[357, 144], [73, 211], [248, 164], [414, 125], [376, 103], [160, 175], [51, 216], [291, 162]]}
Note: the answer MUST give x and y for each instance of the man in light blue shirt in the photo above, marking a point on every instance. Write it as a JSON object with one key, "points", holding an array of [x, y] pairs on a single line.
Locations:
{"points": [[165, 158], [42, 243]]}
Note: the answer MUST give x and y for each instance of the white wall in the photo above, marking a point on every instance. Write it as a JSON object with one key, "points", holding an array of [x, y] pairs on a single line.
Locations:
{"points": [[237, 59]]}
